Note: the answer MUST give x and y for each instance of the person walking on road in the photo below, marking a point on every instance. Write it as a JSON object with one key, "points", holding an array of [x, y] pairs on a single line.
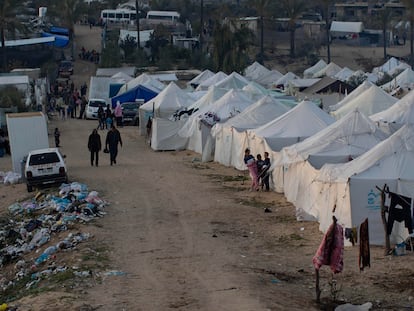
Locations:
{"points": [[113, 138], [94, 146]]}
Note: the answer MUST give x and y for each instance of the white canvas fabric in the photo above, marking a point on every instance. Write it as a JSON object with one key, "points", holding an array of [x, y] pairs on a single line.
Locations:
{"points": [[298, 123], [405, 81], [230, 137], [388, 66], [225, 107], [355, 93], [232, 81], [340, 142], [267, 80], [164, 135], [255, 71], [164, 105], [308, 73], [99, 88], [351, 187], [211, 81], [393, 118], [369, 102], [285, 79], [121, 77], [330, 70], [347, 27], [206, 74], [344, 74], [144, 80]]}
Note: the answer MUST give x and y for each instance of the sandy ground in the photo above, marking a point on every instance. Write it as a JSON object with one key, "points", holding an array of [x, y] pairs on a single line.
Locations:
{"points": [[188, 235]]}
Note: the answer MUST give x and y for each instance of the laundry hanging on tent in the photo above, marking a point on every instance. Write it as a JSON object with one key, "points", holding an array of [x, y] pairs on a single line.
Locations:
{"points": [[364, 252], [331, 249], [399, 210]]}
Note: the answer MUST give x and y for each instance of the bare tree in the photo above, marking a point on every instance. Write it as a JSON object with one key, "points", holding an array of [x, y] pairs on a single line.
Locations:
{"points": [[293, 9]]}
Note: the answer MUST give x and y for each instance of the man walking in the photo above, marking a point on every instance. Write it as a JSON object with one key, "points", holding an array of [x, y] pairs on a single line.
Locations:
{"points": [[113, 138]]}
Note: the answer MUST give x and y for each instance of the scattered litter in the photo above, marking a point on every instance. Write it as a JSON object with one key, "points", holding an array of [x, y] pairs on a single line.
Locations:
{"points": [[114, 272], [267, 210], [275, 281], [32, 224], [10, 177], [349, 307]]}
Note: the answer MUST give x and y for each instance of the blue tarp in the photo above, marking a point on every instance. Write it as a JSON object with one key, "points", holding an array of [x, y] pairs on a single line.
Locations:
{"points": [[138, 92], [59, 31], [114, 89], [60, 41]]}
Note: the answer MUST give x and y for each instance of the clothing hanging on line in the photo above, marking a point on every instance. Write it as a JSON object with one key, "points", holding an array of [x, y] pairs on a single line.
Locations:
{"points": [[364, 253], [400, 210]]}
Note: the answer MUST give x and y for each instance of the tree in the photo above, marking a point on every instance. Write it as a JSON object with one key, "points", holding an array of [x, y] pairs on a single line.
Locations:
{"points": [[326, 4], [384, 18], [293, 9], [261, 7], [8, 24], [230, 47], [409, 4]]}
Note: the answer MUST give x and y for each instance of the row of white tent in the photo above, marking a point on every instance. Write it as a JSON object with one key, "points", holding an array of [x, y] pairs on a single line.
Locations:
{"points": [[403, 75], [310, 150]]}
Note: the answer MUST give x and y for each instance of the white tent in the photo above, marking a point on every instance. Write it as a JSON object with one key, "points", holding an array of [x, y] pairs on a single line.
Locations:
{"points": [[226, 107], [338, 28], [388, 66], [285, 79], [350, 189], [232, 81], [297, 124], [211, 81], [344, 74], [255, 71], [340, 142], [369, 102], [145, 80], [367, 76], [355, 93], [206, 74], [400, 68], [393, 118], [308, 73], [230, 137], [121, 77], [164, 105], [267, 80], [405, 81], [330, 70]]}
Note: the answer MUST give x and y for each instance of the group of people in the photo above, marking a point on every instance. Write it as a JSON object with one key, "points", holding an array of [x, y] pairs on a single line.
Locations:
{"points": [[113, 139], [106, 116], [258, 170], [65, 99]]}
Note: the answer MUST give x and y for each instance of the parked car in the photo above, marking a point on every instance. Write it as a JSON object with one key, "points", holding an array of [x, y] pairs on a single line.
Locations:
{"points": [[45, 166], [93, 106], [130, 113], [65, 68]]}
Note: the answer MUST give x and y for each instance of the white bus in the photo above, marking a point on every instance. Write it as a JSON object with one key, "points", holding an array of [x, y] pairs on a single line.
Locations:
{"points": [[118, 16], [163, 16]]}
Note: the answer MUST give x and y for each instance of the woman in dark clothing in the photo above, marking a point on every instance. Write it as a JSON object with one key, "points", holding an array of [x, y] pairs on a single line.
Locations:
{"points": [[94, 146]]}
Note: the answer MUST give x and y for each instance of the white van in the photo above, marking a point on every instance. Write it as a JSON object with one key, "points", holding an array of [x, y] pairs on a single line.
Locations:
{"points": [[93, 106]]}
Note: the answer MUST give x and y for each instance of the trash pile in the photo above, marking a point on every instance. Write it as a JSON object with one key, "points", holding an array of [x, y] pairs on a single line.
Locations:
{"points": [[9, 177], [33, 223]]}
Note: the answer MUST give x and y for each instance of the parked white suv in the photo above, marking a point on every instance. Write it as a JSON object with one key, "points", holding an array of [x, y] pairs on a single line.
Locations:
{"points": [[45, 166], [93, 106]]}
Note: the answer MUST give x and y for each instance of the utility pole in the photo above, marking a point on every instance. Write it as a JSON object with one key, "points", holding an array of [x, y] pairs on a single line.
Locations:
{"points": [[201, 25], [137, 21]]}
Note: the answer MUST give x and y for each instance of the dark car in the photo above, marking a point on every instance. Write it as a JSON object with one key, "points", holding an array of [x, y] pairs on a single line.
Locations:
{"points": [[65, 68], [130, 113]]}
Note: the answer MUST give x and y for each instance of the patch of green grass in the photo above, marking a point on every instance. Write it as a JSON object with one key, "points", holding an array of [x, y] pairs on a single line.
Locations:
{"points": [[61, 276]]}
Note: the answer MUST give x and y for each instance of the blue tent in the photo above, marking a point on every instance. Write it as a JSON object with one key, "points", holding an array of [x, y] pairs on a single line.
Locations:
{"points": [[60, 41], [59, 31], [138, 92]]}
